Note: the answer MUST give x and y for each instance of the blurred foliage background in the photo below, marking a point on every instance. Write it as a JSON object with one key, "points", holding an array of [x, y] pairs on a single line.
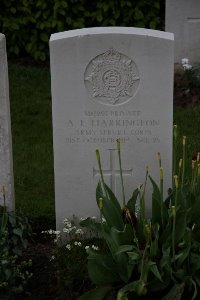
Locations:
{"points": [[28, 24]]}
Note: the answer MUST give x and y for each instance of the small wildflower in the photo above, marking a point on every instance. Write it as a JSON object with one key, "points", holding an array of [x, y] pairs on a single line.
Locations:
{"points": [[79, 231], [184, 61], [82, 219], [68, 224], [87, 248], [52, 258], [77, 243], [103, 220], [185, 64], [95, 248], [68, 247]]}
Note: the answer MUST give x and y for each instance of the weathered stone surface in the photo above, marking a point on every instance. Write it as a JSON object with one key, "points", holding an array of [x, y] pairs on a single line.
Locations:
{"points": [[6, 166], [109, 83], [183, 19]]}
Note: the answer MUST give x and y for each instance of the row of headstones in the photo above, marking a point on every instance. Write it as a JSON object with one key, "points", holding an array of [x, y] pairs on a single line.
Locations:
{"points": [[106, 83]]}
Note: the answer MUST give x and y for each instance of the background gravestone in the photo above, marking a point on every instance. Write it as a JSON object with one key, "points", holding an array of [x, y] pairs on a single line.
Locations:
{"points": [[6, 167], [183, 19], [108, 83]]}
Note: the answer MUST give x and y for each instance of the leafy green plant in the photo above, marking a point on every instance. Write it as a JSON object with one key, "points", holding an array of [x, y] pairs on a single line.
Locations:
{"points": [[14, 274], [70, 257], [157, 257], [29, 24]]}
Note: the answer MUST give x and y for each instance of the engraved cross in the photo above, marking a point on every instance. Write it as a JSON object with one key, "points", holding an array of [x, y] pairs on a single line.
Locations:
{"points": [[112, 172]]}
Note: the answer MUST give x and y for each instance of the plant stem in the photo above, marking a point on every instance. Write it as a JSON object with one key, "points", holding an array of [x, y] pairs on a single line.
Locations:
{"points": [[173, 232], [184, 158], [161, 193], [101, 173], [144, 253], [142, 200], [120, 168], [174, 148], [176, 183]]}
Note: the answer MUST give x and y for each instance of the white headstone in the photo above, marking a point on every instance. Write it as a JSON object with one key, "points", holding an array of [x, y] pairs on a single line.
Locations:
{"points": [[183, 19], [6, 165], [109, 83]]}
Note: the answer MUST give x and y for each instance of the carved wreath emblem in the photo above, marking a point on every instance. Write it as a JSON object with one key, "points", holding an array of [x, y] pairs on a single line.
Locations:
{"points": [[111, 78]]}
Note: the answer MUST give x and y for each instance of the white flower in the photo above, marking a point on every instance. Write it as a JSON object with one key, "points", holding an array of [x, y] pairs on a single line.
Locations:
{"points": [[82, 219], [79, 231], [93, 218], [185, 64], [57, 232], [87, 248], [184, 61], [52, 258], [187, 67], [77, 244], [68, 246], [95, 247], [103, 220]]}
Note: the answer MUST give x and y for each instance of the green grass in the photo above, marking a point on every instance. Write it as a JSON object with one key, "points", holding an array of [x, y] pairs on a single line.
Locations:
{"points": [[30, 97]]}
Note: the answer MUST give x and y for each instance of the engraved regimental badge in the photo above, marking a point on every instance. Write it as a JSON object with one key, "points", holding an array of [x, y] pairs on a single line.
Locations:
{"points": [[111, 78]]}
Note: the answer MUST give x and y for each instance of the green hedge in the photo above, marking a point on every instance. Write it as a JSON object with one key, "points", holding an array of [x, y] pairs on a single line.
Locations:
{"points": [[28, 24]]}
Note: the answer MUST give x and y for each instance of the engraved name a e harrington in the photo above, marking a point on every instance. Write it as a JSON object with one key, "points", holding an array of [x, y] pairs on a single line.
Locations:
{"points": [[111, 78]]}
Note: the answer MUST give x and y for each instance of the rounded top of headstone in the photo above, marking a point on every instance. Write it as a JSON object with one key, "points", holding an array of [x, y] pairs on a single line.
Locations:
{"points": [[2, 36], [2, 41], [112, 30]]}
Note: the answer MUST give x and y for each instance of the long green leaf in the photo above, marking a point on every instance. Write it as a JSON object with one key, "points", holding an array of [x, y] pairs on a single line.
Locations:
{"points": [[132, 201], [113, 198], [139, 287], [154, 269], [180, 226], [92, 225], [156, 203], [110, 210], [102, 269], [175, 292], [98, 293]]}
